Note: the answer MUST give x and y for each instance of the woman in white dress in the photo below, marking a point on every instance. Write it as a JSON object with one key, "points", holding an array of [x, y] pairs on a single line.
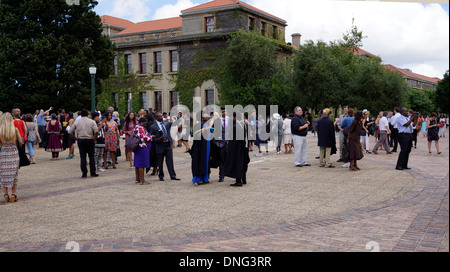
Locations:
{"points": [[287, 134]]}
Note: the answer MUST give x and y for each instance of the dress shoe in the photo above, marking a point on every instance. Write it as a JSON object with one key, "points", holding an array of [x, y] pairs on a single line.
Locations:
{"points": [[398, 168], [84, 176], [94, 175], [407, 168], [374, 152], [236, 184], [299, 165], [395, 150], [306, 164], [388, 153], [161, 179], [220, 179], [175, 178]]}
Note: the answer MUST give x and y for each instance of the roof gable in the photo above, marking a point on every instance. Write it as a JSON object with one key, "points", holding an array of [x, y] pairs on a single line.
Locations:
{"points": [[153, 25], [225, 3], [111, 20], [411, 74]]}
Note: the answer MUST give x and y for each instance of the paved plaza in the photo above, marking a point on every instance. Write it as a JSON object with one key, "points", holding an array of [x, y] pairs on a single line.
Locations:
{"points": [[283, 208]]}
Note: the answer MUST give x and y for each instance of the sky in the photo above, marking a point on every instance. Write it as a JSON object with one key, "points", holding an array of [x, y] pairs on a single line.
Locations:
{"points": [[404, 34]]}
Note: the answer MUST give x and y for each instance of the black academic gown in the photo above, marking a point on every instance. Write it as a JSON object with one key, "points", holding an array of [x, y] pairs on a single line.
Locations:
{"points": [[237, 160], [204, 153]]}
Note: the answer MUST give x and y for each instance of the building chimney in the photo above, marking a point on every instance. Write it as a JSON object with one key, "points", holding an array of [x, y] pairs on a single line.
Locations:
{"points": [[296, 39]]}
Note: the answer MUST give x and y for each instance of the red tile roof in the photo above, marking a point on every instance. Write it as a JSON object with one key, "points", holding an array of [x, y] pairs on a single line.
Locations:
{"points": [[111, 20], [359, 51], [154, 25], [224, 3], [411, 74]]}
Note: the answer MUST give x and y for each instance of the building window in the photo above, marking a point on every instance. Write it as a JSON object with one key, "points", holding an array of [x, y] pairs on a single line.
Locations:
{"points": [[158, 62], [173, 35], [116, 100], [209, 97], [128, 64], [210, 24], [274, 32], [251, 23], [158, 101], [144, 100], [127, 40], [173, 61], [142, 38], [157, 37], [143, 63], [116, 71], [129, 102], [173, 99], [263, 28]]}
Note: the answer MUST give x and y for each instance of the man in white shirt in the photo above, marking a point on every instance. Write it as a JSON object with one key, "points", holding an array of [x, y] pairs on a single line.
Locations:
{"points": [[384, 131], [394, 132]]}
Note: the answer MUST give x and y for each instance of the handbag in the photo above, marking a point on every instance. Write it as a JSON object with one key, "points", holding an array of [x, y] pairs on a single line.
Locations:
{"points": [[133, 143], [363, 132], [441, 124]]}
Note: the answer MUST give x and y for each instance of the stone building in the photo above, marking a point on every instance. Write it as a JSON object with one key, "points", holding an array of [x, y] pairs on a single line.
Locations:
{"points": [[165, 47], [415, 80]]}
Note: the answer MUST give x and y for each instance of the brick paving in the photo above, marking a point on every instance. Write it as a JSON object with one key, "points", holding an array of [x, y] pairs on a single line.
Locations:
{"points": [[282, 209]]}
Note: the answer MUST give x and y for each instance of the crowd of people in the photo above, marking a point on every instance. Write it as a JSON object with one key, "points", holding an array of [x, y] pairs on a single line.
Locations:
{"points": [[219, 140]]}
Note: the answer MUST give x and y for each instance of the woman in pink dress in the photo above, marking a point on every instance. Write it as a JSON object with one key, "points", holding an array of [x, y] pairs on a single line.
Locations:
{"points": [[128, 128], [112, 137]]}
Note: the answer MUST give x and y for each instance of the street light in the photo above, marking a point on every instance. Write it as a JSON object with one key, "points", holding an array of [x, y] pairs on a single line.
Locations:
{"points": [[92, 71]]}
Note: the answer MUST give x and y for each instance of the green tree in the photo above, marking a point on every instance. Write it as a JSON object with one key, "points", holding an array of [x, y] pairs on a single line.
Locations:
{"points": [[442, 94], [319, 77], [373, 87], [254, 70], [122, 84], [420, 100], [47, 48]]}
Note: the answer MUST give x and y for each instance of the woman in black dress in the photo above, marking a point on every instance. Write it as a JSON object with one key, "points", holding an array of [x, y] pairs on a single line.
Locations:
{"points": [[354, 144], [433, 132]]}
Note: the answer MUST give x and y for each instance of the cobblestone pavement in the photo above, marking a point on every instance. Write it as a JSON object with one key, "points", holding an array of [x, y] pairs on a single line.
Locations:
{"points": [[282, 208]]}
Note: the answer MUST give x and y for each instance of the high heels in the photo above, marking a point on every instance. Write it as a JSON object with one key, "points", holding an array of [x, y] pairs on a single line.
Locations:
{"points": [[7, 199], [14, 198]]}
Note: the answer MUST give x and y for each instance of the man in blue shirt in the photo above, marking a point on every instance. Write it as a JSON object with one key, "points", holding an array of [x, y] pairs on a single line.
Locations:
{"points": [[405, 128], [40, 120]]}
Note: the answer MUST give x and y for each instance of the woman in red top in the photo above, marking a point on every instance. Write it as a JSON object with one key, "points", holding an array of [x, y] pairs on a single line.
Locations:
{"points": [[20, 125]]}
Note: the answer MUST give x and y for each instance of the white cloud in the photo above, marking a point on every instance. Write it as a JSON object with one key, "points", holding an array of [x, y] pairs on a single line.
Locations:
{"points": [[133, 10], [173, 10], [402, 34]]}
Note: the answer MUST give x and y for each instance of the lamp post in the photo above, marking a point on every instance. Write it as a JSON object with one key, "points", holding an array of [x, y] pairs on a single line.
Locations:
{"points": [[92, 71]]}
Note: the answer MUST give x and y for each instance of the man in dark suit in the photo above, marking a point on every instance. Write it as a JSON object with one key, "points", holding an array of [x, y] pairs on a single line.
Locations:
{"points": [[327, 139], [221, 141], [163, 145]]}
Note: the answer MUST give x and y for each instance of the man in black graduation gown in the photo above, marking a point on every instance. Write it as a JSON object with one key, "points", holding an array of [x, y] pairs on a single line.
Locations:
{"points": [[237, 159], [204, 153]]}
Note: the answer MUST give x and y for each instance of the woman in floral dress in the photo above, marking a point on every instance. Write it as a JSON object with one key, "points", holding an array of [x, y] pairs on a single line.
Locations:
{"points": [[112, 136], [9, 157]]}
